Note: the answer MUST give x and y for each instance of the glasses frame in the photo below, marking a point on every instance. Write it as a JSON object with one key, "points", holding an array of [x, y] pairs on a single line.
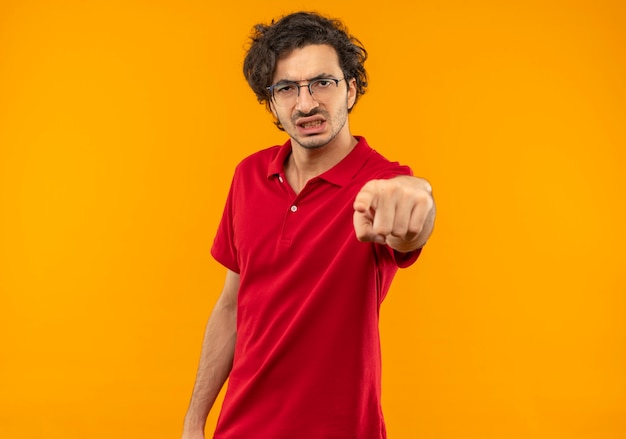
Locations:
{"points": [[299, 86]]}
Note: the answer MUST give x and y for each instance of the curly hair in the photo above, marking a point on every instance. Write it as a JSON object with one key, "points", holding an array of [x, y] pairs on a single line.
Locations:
{"points": [[269, 43]]}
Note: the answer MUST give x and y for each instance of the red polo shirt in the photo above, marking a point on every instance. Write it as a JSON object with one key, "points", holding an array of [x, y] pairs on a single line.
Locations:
{"points": [[307, 358]]}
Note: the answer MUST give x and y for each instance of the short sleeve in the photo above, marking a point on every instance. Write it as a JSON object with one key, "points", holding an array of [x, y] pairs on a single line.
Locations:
{"points": [[404, 260], [224, 250]]}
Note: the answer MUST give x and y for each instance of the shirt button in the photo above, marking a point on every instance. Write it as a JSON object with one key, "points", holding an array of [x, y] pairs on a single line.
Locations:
{"points": [[280, 178], [294, 208]]}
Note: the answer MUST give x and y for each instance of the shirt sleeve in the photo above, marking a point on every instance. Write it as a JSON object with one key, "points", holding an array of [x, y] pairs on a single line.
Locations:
{"points": [[404, 260], [224, 250]]}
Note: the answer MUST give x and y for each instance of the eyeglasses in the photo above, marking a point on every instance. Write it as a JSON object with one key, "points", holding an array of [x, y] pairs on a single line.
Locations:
{"points": [[285, 93]]}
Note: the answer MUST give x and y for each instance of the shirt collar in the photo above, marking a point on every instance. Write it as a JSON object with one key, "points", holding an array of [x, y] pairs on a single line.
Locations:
{"points": [[340, 174]]}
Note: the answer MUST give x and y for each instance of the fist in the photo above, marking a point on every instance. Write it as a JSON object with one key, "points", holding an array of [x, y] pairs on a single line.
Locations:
{"points": [[398, 212]]}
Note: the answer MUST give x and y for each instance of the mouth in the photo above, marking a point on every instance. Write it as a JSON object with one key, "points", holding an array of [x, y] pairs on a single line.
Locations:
{"points": [[311, 126]]}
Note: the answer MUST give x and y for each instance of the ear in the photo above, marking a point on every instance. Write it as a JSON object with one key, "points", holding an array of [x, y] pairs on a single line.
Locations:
{"points": [[351, 93], [270, 106]]}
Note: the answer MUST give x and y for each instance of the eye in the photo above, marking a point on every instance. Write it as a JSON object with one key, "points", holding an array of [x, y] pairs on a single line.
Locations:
{"points": [[286, 88], [323, 83]]}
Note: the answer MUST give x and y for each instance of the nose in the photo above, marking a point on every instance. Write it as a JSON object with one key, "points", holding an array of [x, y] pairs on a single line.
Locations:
{"points": [[306, 102]]}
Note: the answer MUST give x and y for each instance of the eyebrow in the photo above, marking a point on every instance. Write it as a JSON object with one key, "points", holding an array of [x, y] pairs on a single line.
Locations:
{"points": [[320, 76]]}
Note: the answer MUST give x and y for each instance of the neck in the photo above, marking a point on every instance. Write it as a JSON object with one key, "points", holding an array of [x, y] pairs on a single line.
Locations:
{"points": [[304, 164]]}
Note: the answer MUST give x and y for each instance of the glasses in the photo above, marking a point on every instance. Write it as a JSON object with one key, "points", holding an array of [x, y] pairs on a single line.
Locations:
{"points": [[285, 93]]}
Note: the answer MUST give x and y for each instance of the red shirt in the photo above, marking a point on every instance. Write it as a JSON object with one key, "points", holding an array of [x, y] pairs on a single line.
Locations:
{"points": [[307, 358]]}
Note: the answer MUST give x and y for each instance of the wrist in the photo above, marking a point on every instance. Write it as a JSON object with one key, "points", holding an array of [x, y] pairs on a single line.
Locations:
{"points": [[193, 424], [402, 246]]}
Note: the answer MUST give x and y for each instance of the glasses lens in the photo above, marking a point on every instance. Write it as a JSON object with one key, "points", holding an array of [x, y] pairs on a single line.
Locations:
{"points": [[287, 93], [323, 87]]}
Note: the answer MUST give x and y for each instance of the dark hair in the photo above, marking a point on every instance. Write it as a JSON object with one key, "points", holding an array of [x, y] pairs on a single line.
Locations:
{"points": [[294, 31]]}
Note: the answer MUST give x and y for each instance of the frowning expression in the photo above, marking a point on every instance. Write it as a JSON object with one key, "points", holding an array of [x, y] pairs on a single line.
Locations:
{"points": [[314, 121]]}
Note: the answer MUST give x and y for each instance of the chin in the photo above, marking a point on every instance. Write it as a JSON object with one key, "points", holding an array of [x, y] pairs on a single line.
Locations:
{"points": [[318, 141], [313, 145]]}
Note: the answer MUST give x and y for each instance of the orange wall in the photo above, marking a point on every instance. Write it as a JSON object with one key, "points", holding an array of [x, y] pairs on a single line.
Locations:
{"points": [[120, 125]]}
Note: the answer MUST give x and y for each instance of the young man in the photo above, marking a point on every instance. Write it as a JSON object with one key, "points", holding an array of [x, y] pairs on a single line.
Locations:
{"points": [[312, 234]]}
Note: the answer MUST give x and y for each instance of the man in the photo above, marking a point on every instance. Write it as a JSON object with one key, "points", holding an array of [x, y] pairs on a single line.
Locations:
{"points": [[312, 234]]}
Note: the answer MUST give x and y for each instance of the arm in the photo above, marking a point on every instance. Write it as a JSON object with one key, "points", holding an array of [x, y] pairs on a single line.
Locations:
{"points": [[216, 359], [399, 212]]}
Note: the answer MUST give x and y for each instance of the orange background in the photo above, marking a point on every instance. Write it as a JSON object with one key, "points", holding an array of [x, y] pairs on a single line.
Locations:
{"points": [[121, 123]]}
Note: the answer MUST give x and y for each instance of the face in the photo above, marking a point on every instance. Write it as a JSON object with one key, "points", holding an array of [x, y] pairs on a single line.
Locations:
{"points": [[314, 123]]}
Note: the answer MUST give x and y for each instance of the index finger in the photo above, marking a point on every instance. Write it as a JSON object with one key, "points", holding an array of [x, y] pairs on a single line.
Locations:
{"points": [[364, 200]]}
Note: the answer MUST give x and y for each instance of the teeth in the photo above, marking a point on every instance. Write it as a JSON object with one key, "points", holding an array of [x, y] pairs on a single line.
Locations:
{"points": [[312, 124]]}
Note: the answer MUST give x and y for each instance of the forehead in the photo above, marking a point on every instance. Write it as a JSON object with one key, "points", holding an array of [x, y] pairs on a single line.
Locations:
{"points": [[307, 62]]}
